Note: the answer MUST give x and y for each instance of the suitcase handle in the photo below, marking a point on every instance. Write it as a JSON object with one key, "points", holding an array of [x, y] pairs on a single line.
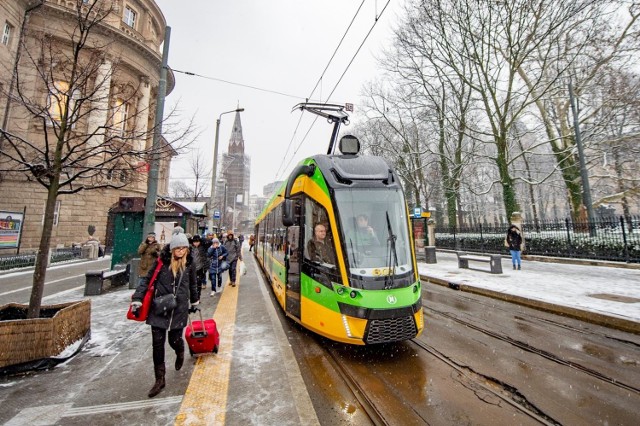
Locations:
{"points": [[195, 309]]}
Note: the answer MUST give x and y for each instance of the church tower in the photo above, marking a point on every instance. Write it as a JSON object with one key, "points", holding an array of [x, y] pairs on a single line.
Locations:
{"points": [[236, 173]]}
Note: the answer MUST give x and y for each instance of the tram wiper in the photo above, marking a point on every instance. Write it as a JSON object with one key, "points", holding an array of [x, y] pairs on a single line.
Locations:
{"points": [[392, 261]]}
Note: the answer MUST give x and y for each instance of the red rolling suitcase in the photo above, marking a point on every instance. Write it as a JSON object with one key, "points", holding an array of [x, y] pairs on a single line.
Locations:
{"points": [[202, 336]]}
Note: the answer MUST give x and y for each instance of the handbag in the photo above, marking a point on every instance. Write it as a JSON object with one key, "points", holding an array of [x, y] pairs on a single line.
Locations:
{"points": [[142, 312], [164, 303], [224, 265], [506, 243], [167, 302]]}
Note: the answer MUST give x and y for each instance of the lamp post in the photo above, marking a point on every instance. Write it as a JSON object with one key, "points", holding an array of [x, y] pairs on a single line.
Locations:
{"points": [[215, 163], [224, 206]]}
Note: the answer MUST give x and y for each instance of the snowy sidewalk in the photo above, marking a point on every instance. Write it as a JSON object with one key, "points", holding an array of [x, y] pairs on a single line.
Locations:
{"points": [[603, 291]]}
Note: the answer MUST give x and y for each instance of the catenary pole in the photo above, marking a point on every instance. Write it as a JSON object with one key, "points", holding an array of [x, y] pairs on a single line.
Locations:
{"points": [[152, 182]]}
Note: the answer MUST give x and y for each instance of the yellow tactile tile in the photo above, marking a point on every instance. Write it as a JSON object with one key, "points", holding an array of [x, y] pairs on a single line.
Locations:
{"points": [[205, 400]]}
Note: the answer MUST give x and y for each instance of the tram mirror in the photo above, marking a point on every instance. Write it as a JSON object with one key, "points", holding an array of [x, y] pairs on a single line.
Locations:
{"points": [[349, 144], [287, 213]]}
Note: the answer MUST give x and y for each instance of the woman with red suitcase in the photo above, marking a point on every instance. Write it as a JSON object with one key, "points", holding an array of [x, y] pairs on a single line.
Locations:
{"points": [[175, 286]]}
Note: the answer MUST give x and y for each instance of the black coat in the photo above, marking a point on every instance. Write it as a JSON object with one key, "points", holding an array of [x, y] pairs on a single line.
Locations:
{"points": [[514, 239], [164, 284]]}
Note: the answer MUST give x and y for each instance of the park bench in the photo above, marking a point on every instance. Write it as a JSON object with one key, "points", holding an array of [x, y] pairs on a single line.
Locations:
{"points": [[494, 260], [96, 280]]}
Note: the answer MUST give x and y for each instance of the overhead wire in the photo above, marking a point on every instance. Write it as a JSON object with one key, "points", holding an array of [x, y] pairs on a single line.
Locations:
{"points": [[338, 82], [284, 158]]}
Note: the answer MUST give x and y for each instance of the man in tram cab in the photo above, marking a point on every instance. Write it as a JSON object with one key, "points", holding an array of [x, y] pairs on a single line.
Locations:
{"points": [[319, 249], [364, 234]]}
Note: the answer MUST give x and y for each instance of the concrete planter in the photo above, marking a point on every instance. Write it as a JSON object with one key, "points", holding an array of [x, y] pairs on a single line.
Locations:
{"points": [[24, 340]]}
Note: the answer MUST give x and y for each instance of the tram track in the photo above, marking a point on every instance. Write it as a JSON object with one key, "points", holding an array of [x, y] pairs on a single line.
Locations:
{"points": [[540, 352]]}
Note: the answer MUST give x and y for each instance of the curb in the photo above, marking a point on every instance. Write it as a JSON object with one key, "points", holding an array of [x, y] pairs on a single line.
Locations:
{"points": [[586, 316]]}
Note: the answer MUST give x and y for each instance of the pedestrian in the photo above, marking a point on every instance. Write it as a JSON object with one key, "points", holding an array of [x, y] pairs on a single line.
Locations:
{"points": [[201, 262], [252, 241], [217, 254], [176, 277], [148, 251], [515, 242], [241, 239], [318, 248], [234, 250]]}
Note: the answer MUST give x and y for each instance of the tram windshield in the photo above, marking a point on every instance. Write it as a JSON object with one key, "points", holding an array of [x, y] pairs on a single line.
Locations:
{"points": [[375, 231]]}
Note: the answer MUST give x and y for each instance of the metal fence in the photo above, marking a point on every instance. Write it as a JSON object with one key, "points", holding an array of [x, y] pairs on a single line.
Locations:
{"points": [[614, 239], [22, 260]]}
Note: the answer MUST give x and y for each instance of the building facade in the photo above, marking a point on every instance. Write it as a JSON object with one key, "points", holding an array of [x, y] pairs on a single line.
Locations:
{"points": [[123, 90]]}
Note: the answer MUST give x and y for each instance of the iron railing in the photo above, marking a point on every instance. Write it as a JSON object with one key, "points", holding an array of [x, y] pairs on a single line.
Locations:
{"points": [[613, 239], [23, 260]]}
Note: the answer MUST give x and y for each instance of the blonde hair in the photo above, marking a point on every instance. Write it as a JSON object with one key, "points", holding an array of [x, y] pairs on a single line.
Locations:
{"points": [[178, 265]]}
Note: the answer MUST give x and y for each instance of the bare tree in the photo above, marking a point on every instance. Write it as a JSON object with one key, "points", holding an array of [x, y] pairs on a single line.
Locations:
{"points": [[72, 131], [199, 174]]}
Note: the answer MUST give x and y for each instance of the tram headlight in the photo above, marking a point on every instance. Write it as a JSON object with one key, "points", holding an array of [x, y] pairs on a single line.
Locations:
{"points": [[353, 294], [340, 290], [345, 323], [415, 288]]}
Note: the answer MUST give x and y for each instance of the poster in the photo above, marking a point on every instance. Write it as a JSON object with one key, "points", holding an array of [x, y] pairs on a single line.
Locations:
{"points": [[163, 232], [10, 228]]}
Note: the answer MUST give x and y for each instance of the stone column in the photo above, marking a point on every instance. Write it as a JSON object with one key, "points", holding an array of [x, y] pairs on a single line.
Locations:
{"points": [[100, 106]]}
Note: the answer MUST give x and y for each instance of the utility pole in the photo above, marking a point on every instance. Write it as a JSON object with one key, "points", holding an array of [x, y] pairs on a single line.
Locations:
{"points": [[152, 181], [586, 190]]}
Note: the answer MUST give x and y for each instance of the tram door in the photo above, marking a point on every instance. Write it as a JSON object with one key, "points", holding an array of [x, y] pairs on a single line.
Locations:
{"points": [[293, 257]]}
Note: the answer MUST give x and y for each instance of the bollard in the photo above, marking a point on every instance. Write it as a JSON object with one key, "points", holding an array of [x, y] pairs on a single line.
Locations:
{"points": [[133, 272], [430, 254]]}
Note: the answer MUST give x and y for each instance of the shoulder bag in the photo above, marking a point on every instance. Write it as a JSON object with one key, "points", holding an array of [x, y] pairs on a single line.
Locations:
{"points": [[167, 302], [142, 312]]}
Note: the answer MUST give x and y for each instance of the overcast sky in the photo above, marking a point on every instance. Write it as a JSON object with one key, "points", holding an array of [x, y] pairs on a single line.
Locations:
{"points": [[278, 46]]}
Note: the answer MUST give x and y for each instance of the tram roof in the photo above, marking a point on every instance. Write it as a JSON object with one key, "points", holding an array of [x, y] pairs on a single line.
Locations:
{"points": [[356, 170]]}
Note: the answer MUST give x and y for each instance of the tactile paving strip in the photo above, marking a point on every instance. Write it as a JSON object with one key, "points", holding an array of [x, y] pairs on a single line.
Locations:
{"points": [[205, 400]]}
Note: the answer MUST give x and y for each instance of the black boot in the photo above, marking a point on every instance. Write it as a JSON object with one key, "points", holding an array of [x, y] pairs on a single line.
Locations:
{"points": [[514, 267], [179, 359], [518, 267], [159, 384]]}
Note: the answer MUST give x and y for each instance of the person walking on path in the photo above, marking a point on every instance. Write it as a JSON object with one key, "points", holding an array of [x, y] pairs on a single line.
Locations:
{"points": [[216, 254], [516, 244], [148, 251], [234, 250], [252, 241], [176, 277], [201, 262]]}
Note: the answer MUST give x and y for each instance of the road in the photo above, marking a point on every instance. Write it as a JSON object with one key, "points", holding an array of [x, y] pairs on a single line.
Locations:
{"points": [[479, 361]]}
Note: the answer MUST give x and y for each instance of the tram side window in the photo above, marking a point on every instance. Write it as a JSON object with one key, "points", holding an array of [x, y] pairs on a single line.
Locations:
{"points": [[318, 235]]}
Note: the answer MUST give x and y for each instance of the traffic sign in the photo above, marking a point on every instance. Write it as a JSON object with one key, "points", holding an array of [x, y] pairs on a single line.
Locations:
{"points": [[417, 212], [216, 214]]}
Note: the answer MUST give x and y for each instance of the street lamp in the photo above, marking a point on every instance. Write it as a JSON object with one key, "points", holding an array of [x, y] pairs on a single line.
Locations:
{"points": [[215, 164]]}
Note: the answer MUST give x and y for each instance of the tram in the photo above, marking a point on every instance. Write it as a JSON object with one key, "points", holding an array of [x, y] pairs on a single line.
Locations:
{"points": [[358, 283]]}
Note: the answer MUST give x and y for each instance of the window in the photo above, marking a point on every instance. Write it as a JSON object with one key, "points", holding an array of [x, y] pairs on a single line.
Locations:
{"points": [[57, 101], [129, 17], [120, 117], [56, 213], [6, 33]]}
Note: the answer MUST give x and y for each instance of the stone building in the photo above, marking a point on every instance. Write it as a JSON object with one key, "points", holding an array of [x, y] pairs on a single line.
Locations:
{"points": [[235, 178], [127, 44]]}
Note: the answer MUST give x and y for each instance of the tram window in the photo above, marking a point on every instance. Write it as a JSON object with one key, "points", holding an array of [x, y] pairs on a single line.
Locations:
{"points": [[318, 244]]}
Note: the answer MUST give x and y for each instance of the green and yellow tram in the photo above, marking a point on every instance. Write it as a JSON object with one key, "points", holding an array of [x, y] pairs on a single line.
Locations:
{"points": [[336, 247]]}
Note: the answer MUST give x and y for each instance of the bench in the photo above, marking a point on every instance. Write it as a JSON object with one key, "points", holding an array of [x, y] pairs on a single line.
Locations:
{"points": [[494, 260], [95, 280]]}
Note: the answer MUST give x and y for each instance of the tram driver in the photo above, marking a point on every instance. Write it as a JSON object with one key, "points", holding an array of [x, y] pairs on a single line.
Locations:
{"points": [[319, 249]]}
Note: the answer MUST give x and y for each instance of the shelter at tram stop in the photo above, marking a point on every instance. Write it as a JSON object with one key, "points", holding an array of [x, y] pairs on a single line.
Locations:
{"points": [[126, 218]]}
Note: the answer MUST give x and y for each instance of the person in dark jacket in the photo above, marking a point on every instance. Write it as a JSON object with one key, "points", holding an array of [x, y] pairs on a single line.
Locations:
{"points": [[201, 262], [235, 253], [177, 276], [515, 244], [216, 254]]}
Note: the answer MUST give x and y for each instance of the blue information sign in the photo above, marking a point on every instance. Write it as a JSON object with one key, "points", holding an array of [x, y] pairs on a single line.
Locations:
{"points": [[417, 212], [216, 214]]}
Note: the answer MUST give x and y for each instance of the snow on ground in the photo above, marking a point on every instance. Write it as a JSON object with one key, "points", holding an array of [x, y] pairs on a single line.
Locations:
{"points": [[562, 284]]}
